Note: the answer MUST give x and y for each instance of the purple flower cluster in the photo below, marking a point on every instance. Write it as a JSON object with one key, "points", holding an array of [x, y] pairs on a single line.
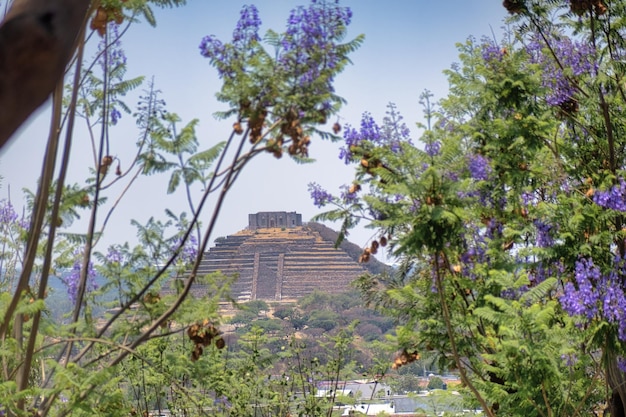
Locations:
{"points": [[369, 131], [247, 29], [110, 53], [570, 359], [475, 254], [347, 197], [312, 31], [433, 148], [596, 294], [7, 213], [491, 52], [213, 48], [392, 133], [538, 272], [320, 196], [543, 234], [581, 299], [565, 54], [73, 279], [189, 252], [112, 59], [114, 255], [614, 198], [246, 32], [479, 167]]}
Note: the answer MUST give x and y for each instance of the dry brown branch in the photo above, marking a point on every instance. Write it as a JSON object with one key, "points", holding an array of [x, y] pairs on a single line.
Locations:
{"points": [[37, 40]]}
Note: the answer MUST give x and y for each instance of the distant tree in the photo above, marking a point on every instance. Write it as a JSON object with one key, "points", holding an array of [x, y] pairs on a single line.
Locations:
{"points": [[368, 331], [256, 306], [324, 319], [434, 382]]}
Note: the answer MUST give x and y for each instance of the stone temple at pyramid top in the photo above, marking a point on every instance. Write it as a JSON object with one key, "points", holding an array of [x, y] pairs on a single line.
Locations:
{"points": [[270, 219]]}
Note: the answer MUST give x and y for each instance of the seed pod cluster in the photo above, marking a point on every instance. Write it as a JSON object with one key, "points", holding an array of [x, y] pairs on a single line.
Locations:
{"points": [[514, 6], [201, 334], [403, 357], [104, 15], [292, 128], [255, 123], [580, 7], [365, 256], [238, 128], [374, 247], [107, 161], [354, 188]]}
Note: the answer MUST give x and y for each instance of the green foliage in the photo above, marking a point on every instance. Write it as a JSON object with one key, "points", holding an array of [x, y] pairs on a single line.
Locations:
{"points": [[491, 219]]}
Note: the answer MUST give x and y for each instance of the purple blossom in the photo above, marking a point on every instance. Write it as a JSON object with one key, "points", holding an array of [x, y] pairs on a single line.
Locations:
{"points": [[570, 359], [527, 198], [543, 234], [433, 148], [188, 253], [597, 295], [247, 29], [347, 196], [392, 133], [115, 116], [479, 167], [614, 198], [320, 196], [72, 280], [581, 300], [578, 58], [621, 364], [311, 31], [7, 213], [110, 53], [112, 59], [491, 51], [114, 255], [211, 47]]}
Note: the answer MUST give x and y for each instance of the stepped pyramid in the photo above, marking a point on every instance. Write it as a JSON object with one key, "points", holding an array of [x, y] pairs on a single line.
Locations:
{"points": [[277, 258]]}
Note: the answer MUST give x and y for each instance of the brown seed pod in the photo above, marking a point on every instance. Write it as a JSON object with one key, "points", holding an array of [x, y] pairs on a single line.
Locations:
{"points": [[336, 128], [99, 21], [220, 343], [197, 352], [118, 170], [383, 241], [237, 128], [374, 247], [514, 6], [354, 187]]}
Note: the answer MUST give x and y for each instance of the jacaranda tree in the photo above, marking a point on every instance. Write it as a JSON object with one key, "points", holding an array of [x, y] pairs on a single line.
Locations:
{"points": [[278, 90], [508, 218]]}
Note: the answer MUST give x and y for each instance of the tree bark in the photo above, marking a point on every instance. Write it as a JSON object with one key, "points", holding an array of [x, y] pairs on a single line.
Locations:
{"points": [[37, 40]]}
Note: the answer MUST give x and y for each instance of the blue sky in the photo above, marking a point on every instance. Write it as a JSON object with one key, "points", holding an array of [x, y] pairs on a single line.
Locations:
{"points": [[408, 43]]}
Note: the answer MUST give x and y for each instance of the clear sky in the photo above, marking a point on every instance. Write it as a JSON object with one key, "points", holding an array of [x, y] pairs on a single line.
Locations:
{"points": [[408, 43]]}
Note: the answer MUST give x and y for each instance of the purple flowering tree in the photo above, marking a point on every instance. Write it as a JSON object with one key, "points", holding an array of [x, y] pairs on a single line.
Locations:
{"points": [[278, 88], [508, 222]]}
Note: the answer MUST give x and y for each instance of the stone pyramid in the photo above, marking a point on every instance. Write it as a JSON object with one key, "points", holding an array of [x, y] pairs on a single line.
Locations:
{"points": [[277, 258]]}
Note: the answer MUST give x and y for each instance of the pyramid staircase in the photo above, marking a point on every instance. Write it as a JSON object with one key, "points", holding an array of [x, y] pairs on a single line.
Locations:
{"points": [[279, 264]]}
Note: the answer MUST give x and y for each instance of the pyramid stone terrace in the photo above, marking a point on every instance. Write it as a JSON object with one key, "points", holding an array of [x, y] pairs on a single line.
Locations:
{"points": [[277, 258]]}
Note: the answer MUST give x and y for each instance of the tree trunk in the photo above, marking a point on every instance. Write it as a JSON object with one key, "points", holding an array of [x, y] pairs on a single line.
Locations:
{"points": [[617, 382]]}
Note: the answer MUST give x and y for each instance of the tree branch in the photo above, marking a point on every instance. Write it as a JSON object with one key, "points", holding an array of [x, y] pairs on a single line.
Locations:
{"points": [[37, 40]]}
